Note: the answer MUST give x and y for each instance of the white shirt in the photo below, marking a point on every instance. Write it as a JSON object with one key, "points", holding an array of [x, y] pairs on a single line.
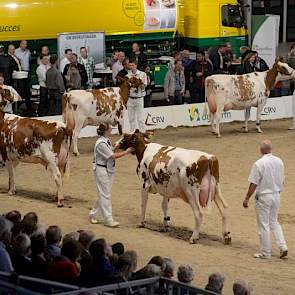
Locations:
{"points": [[24, 56], [41, 73], [140, 91], [268, 174], [63, 63]]}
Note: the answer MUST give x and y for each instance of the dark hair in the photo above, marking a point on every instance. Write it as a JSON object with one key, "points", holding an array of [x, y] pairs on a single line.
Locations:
{"points": [[2, 75], [29, 223], [83, 47], [71, 249], [201, 52], [38, 244], [174, 53], [53, 59], [97, 249], [133, 61], [53, 234], [125, 60], [74, 54], [14, 216], [222, 46], [101, 129], [31, 216], [157, 260], [42, 55], [124, 261], [68, 50], [118, 248]]}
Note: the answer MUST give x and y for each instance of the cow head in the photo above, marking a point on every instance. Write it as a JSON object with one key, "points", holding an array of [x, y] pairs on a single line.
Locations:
{"points": [[6, 97], [285, 72], [126, 84]]}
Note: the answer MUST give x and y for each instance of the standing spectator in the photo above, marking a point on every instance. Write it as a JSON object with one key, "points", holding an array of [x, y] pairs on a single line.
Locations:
{"points": [[199, 72], [118, 66], [124, 71], [15, 63], [104, 170], [53, 239], [174, 85], [41, 73], [241, 288], [75, 75], [267, 179], [24, 56], [291, 58], [185, 274], [135, 102], [176, 56], [138, 56], [187, 64], [219, 60], [260, 63], [55, 86], [5, 239], [44, 52], [244, 51], [66, 60], [249, 65], [148, 89], [88, 63], [21, 257], [5, 66], [215, 283], [228, 53]]}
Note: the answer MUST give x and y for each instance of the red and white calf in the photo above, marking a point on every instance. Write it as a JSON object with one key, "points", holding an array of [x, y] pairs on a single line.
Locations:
{"points": [[241, 92], [93, 107], [34, 141], [177, 173]]}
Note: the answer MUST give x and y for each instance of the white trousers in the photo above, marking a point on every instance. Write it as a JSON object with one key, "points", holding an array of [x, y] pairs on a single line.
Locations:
{"points": [[103, 204], [293, 107], [267, 208], [135, 114]]}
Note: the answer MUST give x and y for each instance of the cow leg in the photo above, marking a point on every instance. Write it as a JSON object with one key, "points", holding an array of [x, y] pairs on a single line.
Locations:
{"points": [[192, 196], [10, 167], [144, 199], [217, 123], [222, 207], [165, 203], [78, 126], [58, 181], [258, 117], [120, 129], [247, 117], [213, 125]]}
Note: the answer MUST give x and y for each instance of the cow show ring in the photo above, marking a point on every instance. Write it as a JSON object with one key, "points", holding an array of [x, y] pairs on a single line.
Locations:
{"points": [[236, 152]]}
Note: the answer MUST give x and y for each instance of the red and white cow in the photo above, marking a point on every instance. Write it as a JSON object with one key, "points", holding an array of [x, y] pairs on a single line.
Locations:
{"points": [[33, 141], [241, 92], [177, 173], [92, 107]]}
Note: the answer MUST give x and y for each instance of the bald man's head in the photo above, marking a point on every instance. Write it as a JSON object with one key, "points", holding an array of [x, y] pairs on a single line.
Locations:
{"points": [[266, 147]]}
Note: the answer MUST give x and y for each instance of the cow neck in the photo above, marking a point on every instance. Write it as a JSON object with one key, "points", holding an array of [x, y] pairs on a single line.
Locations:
{"points": [[270, 78], [139, 150], [124, 92]]}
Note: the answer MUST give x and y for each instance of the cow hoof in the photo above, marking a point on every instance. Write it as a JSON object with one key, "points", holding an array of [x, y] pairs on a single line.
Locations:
{"points": [[141, 225], [12, 192], [218, 136], [194, 240], [76, 154], [227, 239], [60, 205], [259, 131]]}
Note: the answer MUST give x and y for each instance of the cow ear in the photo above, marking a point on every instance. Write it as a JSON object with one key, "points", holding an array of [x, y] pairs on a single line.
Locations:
{"points": [[279, 59], [137, 131], [120, 79], [149, 135]]}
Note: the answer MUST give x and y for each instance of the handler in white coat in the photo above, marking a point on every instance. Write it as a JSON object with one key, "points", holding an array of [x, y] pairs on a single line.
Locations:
{"points": [[104, 171], [267, 179], [293, 112]]}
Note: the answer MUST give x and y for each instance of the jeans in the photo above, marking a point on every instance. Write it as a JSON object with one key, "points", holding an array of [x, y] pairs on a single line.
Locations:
{"points": [[177, 99], [54, 102]]}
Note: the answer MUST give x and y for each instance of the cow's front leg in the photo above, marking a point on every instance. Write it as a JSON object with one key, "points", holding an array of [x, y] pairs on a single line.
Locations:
{"points": [[144, 199], [247, 117], [58, 181], [11, 173], [258, 118], [165, 203], [217, 122], [79, 124], [222, 207]]}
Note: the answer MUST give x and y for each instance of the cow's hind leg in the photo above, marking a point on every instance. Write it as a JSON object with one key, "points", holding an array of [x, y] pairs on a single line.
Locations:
{"points": [[58, 181], [258, 117], [79, 124], [165, 203], [192, 195], [247, 117], [217, 124], [144, 199], [10, 167], [222, 207]]}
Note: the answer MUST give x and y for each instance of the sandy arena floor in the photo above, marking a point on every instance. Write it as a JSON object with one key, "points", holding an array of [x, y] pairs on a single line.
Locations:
{"points": [[236, 152]]}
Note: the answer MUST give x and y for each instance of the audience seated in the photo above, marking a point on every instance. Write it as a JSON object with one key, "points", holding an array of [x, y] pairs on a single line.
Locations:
{"points": [[185, 274], [38, 260], [215, 283], [168, 268], [5, 239], [241, 288], [53, 238]]}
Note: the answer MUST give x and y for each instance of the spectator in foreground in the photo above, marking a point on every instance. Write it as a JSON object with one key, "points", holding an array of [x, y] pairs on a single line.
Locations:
{"points": [[138, 56], [5, 239], [185, 274], [118, 66], [88, 62], [241, 288], [118, 248], [39, 262], [168, 268], [86, 237], [53, 239], [133, 256], [215, 283], [41, 73], [55, 85], [174, 85], [124, 270], [66, 60]]}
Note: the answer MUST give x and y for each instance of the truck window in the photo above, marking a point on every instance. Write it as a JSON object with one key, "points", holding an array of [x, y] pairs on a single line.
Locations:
{"points": [[232, 16]]}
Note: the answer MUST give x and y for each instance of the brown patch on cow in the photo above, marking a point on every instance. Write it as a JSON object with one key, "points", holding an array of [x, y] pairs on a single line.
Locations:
{"points": [[270, 79], [196, 172], [244, 87], [119, 112], [161, 156], [75, 106], [214, 167]]}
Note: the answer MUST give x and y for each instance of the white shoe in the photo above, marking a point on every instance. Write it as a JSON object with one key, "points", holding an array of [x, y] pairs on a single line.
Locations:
{"points": [[292, 127], [93, 220], [112, 224], [261, 256]]}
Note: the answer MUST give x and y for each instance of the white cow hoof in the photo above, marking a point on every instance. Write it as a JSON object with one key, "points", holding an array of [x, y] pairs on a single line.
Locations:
{"points": [[12, 192], [193, 241], [76, 154], [218, 136], [246, 130], [259, 130]]}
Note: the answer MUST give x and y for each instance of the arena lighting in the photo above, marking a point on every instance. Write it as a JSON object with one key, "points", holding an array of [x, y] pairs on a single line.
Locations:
{"points": [[11, 5]]}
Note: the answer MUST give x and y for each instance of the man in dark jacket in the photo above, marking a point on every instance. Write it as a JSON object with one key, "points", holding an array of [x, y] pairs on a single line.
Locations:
{"points": [[5, 66], [260, 63], [139, 56], [200, 70], [219, 60], [125, 70], [81, 69]]}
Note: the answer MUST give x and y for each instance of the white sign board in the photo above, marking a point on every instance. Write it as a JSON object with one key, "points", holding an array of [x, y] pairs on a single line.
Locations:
{"points": [[93, 41]]}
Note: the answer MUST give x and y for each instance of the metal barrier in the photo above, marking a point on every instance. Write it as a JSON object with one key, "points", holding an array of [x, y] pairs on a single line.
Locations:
{"points": [[17, 284]]}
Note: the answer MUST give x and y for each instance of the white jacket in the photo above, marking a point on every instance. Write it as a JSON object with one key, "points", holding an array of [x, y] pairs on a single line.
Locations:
{"points": [[140, 91]]}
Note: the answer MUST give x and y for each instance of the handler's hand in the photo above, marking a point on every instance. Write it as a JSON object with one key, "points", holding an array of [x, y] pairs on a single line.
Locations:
{"points": [[130, 150], [246, 203]]}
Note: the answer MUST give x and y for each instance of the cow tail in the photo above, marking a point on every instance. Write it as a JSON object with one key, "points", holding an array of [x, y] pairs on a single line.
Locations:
{"points": [[68, 113]]}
